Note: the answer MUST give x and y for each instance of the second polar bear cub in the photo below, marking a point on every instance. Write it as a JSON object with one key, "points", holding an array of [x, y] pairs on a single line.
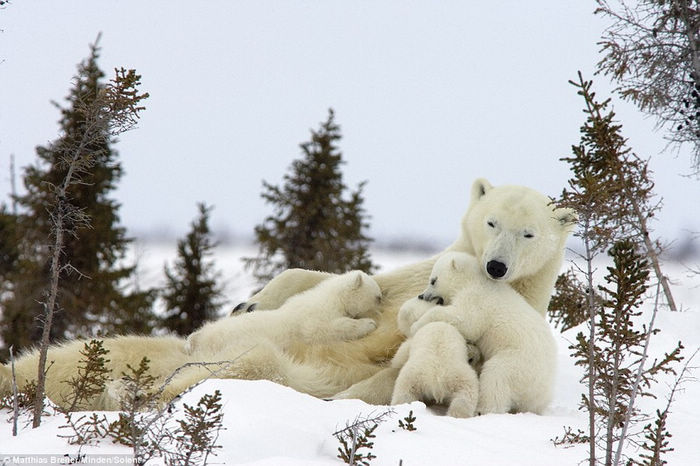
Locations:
{"points": [[436, 364], [336, 309], [515, 341]]}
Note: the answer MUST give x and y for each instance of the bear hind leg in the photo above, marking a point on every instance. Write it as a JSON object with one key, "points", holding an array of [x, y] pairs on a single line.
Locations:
{"points": [[376, 390], [409, 386], [464, 400]]}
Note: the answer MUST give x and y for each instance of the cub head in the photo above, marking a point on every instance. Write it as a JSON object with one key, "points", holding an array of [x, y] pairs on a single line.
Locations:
{"points": [[514, 231], [359, 293], [449, 274]]}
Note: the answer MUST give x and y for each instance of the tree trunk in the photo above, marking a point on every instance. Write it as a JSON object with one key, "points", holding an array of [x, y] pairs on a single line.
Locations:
{"points": [[48, 315], [59, 227], [591, 348]]}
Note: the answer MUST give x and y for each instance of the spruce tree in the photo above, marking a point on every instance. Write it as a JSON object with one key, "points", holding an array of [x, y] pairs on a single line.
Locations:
{"points": [[9, 250], [315, 225], [192, 295], [92, 285], [610, 190]]}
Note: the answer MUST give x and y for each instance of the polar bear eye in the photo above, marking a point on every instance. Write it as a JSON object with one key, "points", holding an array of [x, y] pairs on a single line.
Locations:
{"points": [[433, 280], [491, 224], [529, 235]]}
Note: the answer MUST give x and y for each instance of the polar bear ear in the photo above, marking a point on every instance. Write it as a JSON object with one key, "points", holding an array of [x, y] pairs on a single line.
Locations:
{"points": [[480, 187], [358, 281], [567, 217]]}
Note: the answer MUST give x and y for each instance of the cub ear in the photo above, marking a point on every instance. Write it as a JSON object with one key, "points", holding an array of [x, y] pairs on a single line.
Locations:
{"points": [[480, 187], [566, 217], [358, 281]]}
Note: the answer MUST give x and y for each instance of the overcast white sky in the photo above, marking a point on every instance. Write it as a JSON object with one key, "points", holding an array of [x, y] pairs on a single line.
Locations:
{"points": [[429, 95]]}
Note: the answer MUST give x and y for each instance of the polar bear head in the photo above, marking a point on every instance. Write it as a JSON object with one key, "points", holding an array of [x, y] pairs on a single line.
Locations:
{"points": [[358, 293], [449, 275], [514, 231]]}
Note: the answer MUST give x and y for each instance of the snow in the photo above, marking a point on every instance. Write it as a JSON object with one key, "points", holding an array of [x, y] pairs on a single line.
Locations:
{"points": [[271, 425]]}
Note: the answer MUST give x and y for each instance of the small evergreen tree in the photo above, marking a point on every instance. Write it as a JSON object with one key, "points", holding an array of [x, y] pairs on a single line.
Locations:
{"points": [[9, 256], [619, 346], [197, 434], [567, 308], [192, 295], [603, 158], [610, 190], [16, 327], [407, 423], [139, 412], [315, 225], [150, 428], [9, 251], [90, 379], [356, 436], [93, 279]]}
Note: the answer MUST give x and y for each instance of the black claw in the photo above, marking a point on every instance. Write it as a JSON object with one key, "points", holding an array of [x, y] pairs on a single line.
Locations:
{"points": [[239, 307], [252, 307]]}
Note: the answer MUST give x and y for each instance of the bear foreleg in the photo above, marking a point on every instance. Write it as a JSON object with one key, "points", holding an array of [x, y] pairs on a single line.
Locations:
{"points": [[495, 392], [340, 329]]}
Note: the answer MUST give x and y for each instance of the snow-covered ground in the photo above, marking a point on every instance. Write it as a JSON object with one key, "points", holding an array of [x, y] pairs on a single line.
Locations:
{"points": [[271, 425]]}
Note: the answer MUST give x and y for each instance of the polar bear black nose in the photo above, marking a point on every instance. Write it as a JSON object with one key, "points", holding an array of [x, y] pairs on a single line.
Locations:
{"points": [[496, 269]]}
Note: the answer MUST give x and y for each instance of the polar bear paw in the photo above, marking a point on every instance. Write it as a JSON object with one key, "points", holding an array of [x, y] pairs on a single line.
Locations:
{"points": [[410, 312], [242, 308], [353, 329]]}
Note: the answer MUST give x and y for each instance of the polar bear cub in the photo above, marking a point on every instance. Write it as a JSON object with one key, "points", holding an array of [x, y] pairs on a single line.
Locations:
{"points": [[515, 341], [334, 310], [435, 364]]}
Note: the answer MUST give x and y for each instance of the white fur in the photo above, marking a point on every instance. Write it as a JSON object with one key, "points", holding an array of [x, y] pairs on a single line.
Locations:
{"points": [[434, 365], [410, 312], [165, 353], [515, 341], [533, 264], [325, 369], [518, 227], [331, 311], [334, 310]]}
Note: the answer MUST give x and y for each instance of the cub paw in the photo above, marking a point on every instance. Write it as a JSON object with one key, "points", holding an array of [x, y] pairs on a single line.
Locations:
{"points": [[410, 312], [366, 326]]}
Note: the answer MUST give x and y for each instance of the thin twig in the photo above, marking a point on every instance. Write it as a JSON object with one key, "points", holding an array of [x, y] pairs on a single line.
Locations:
{"points": [[224, 365], [15, 394], [638, 378]]}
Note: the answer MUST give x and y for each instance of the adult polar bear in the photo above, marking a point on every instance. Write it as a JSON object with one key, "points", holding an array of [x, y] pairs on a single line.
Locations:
{"points": [[513, 231], [529, 264]]}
